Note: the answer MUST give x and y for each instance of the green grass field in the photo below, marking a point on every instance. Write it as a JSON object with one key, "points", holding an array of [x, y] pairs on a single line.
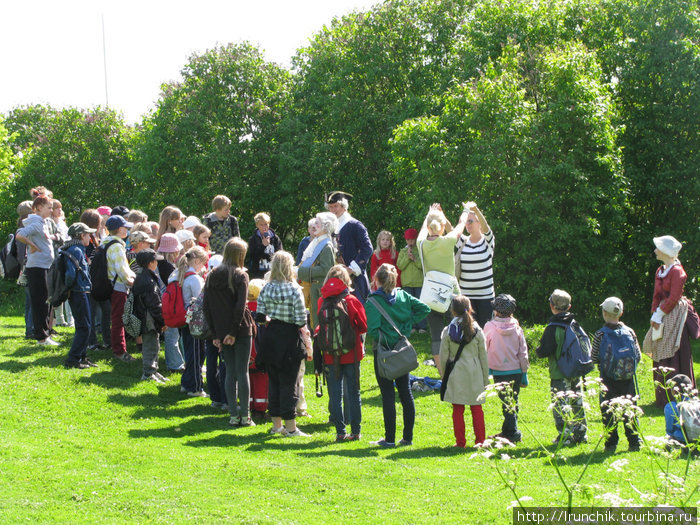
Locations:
{"points": [[101, 446]]}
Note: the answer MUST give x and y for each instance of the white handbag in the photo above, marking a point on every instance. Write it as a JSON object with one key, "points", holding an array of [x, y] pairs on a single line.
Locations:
{"points": [[437, 288]]}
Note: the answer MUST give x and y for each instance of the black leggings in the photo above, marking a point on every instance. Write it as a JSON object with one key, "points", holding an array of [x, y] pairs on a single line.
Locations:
{"points": [[386, 387], [39, 292]]}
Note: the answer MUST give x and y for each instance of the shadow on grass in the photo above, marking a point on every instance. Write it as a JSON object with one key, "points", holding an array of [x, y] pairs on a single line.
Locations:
{"points": [[51, 361], [186, 429]]}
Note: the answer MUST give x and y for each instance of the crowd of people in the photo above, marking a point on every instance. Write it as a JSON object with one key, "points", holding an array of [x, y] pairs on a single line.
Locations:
{"points": [[264, 313]]}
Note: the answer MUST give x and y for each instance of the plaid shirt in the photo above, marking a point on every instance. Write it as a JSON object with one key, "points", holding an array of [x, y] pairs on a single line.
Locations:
{"points": [[117, 265], [283, 301]]}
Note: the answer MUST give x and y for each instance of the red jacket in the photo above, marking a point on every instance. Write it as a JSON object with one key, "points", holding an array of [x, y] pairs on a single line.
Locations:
{"points": [[358, 318], [384, 257], [669, 290]]}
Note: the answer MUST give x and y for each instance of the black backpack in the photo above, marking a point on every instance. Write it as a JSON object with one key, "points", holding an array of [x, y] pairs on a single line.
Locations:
{"points": [[336, 335], [56, 279], [102, 286], [8, 257]]}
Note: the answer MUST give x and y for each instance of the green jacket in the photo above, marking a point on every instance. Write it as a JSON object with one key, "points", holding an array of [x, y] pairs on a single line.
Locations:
{"points": [[406, 311], [411, 271]]}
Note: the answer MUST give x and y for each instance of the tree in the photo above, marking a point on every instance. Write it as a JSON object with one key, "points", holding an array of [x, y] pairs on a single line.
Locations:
{"points": [[533, 140], [214, 132], [652, 52], [82, 156], [355, 82]]}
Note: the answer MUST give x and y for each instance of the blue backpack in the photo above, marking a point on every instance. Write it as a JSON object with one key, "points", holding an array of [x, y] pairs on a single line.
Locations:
{"points": [[575, 359], [618, 357]]}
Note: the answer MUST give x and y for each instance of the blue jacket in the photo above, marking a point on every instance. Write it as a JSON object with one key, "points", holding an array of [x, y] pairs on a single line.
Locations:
{"points": [[354, 245], [77, 278]]}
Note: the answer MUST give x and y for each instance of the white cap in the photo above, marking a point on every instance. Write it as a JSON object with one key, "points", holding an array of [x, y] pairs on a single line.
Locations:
{"points": [[215, 261], [184, 235], [668, 245], [612, 305], [191, 222]]}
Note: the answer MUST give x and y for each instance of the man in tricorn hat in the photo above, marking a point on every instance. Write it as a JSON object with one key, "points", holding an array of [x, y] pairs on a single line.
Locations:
{"points": [[354, 246]]}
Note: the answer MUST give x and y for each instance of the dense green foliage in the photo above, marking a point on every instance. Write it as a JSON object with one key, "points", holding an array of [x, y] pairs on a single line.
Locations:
{"points": [[574, 125], [214, 132], [83, 156]]}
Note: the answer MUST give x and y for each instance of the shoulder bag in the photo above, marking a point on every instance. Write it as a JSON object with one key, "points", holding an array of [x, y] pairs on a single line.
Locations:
{"points": [[399, 360], [437, 287]]}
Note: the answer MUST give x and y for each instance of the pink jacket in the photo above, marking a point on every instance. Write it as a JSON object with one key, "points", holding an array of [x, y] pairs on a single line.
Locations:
{"points": [[505, 345]]}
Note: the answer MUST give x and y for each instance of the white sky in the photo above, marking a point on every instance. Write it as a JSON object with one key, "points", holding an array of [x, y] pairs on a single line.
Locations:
{"points": [[51, 51]]}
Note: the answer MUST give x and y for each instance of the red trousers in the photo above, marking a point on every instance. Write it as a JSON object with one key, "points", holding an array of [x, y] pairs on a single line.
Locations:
{"points": [[118, 337], [477, 423]]}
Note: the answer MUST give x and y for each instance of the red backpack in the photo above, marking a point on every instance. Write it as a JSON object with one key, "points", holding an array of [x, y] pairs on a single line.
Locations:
{"points": [[174, 309]]}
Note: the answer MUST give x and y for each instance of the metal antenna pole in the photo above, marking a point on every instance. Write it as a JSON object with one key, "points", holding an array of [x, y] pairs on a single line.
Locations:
{"points": [[104, 60]]}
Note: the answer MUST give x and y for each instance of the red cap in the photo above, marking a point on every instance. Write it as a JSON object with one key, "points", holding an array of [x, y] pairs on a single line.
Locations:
{"points": [[411, 233]]}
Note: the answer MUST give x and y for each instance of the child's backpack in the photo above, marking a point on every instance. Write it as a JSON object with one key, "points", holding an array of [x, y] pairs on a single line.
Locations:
{"points": [[575, 359], [196, 320], [336, 335], [617, 357], [8, 257], [132, 324], [102, 286], [56, 279], [174, 310], [689, 412]]}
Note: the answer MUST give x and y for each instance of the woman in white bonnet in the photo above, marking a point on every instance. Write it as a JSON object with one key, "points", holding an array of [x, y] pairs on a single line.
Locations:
{"points": [[673, 319]]}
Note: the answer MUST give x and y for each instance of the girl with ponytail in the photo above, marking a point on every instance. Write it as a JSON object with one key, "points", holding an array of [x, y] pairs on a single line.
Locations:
{"points": [[470, 374]]}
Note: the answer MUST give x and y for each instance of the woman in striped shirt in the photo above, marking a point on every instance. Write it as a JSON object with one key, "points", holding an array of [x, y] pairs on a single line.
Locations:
{"points": [[475, 264]]}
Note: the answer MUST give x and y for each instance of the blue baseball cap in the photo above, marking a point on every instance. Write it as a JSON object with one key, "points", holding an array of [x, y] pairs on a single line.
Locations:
{"points": [[117, 221]]}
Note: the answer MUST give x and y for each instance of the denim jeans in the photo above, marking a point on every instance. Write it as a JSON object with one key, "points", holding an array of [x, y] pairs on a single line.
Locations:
{"points": [[415, 292], [101, 312], [347, 383], [28, 321], [173, 355], [216, 373], [80, 306], [194, 359], [386, 387]]}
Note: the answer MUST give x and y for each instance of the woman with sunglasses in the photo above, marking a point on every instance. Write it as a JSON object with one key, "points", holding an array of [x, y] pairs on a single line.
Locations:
{"points": [[474, 264]]}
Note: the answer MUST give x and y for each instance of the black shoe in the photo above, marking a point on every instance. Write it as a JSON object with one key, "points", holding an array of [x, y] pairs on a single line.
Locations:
{"points": [[86, 361], [79, 365], [634, 446]]}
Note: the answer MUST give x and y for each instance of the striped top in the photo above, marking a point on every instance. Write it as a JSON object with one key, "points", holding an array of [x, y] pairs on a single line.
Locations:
{"points": [[475, 265]]}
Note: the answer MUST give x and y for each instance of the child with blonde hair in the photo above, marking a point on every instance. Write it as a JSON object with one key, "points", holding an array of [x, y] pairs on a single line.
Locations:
{"points": [[187, 274], [385, 252]]}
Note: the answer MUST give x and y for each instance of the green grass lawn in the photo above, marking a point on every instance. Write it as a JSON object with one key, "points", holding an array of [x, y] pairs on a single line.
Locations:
{"points": [[102, 446]]}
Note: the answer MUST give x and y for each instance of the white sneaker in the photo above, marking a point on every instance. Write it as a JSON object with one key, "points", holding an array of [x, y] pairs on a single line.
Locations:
{"points": [[201, 393], [280, 430], [297, 433], [49, 342], [160, 377], [152, 377]]}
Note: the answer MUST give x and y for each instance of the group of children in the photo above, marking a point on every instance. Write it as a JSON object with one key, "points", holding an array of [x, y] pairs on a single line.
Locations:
{"points": [[144, 259]]}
